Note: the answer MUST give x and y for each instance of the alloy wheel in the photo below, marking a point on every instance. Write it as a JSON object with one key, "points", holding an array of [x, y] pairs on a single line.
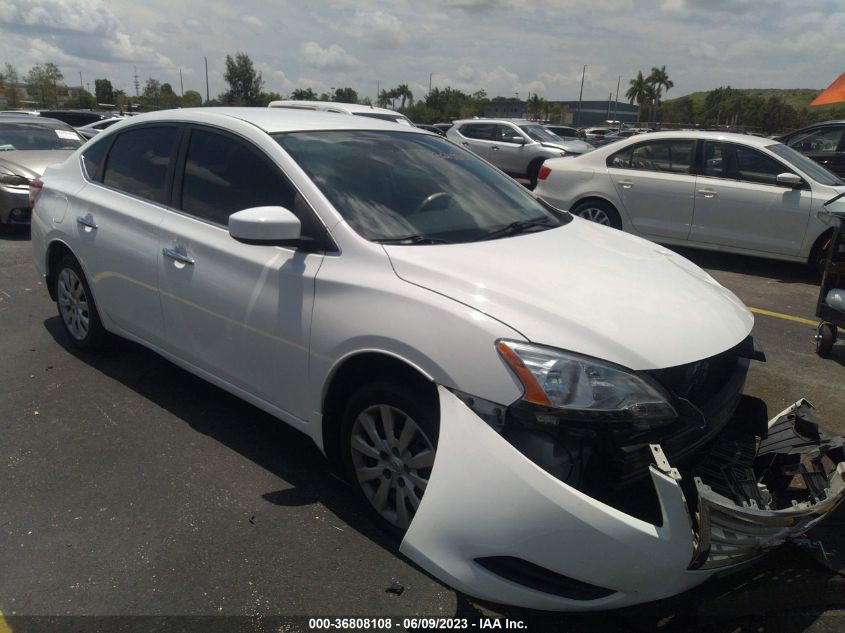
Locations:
{"points": [[595, 214], [73, 304], [392, 458]]}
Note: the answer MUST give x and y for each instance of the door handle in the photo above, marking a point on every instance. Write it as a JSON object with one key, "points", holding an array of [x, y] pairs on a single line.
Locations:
{"points": [[626, 184], [179, 257], [495, 148], [87, 221], [465, 144], [707, 193]]}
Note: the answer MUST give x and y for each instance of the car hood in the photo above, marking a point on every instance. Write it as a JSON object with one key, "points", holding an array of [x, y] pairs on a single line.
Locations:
{"points": [[588, 289], [32, 163], [576, 146]]}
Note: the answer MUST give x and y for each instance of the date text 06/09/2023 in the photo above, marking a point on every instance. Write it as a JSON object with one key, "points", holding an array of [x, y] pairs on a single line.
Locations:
{"points": [[423, 623]]}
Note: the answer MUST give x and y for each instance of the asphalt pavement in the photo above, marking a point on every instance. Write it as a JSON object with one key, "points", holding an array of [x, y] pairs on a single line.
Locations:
{"points": [[129, 487]]}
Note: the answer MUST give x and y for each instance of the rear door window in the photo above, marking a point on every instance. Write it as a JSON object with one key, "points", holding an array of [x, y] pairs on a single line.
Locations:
{"points": [[140, 160], [481, 131]]}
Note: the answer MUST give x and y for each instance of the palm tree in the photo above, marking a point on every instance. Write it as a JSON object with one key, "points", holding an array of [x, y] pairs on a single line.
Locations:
{"points": [[404, 92], [638, 91], [659, 80]]}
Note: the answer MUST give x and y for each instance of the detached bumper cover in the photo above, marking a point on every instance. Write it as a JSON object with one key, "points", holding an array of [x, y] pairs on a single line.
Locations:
{"points": [[493, 524]]}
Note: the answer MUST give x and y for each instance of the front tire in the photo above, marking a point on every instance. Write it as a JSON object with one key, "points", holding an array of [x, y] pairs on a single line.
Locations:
{"points": [[389, 435], [598, 211], [77, 310], [825, 338]]}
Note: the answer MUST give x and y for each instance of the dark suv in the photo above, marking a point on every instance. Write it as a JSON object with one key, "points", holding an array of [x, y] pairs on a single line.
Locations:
{"points": [[823, 142]]}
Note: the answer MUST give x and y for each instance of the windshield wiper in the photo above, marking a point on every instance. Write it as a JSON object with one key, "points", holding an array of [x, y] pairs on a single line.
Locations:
{"points": [[514, 228], [419, 238]]}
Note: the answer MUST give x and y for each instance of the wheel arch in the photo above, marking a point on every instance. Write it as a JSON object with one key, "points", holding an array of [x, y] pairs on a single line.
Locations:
{"points": [[55, 251], [355, 370], [818, 244]]}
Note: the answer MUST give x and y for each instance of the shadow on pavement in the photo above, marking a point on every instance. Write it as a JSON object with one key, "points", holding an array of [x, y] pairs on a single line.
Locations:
{"points": [[784, 272], [14, 233], [258, 436], [788, 591]]}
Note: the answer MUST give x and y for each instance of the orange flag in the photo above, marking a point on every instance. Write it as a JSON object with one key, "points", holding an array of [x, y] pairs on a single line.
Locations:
{"points": [[834, 93]]}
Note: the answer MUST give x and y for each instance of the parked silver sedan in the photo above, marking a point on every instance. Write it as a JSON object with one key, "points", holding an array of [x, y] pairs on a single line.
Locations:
{"points": [[27, 146]]}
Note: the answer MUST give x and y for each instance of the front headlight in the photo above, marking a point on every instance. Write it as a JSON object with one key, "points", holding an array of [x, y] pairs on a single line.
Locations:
{"points": [[583, 389]]}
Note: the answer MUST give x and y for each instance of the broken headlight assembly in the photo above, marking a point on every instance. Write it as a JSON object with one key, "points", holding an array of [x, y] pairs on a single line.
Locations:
{"points": [[567, 388]]}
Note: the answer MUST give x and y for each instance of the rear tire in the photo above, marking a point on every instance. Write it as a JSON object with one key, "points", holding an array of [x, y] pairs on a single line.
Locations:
{"points": [[598, 211], [77, 310], [389, 440], [534, 172]]}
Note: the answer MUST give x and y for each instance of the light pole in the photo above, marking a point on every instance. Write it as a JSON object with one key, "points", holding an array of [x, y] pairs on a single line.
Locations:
{"points": [[580, 96]]}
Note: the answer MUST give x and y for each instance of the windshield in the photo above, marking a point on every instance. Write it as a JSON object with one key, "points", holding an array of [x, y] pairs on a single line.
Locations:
{"points": [[404, 185], [540, 134], [32, 136], [805, 164]]}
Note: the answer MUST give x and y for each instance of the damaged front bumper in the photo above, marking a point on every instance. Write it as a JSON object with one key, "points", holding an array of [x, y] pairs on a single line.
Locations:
{"points": [[496, 526]]}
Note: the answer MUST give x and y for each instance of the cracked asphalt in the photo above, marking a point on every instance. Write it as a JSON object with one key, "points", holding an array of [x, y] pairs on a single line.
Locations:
{"points": [[129, 487]]}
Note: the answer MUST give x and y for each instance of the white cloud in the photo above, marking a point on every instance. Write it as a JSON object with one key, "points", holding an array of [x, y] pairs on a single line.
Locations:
{"points": [[331, 58], [74, 29], [251, 20], [377, 29]]}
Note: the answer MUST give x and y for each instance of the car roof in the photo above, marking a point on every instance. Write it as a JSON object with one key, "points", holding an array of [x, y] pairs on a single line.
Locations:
{"points": [[271, 120], [33, 120], [514, 121], [331, 106], [747, 139]]}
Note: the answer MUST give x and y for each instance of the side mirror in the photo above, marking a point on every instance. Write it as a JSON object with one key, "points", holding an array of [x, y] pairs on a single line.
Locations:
{"points": [[788, 179], [265, 225], [519, 140]]}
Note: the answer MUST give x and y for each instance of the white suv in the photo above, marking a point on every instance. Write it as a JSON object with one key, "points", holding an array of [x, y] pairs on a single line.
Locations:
{"points": [[517, 147]]}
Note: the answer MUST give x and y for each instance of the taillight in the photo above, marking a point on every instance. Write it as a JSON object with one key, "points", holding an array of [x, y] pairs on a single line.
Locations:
{"points": [[544, 172], [35, 188]]}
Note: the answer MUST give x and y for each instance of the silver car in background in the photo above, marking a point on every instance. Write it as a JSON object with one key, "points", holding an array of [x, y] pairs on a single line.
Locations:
{"points": [[28, 145], [517, 147]]}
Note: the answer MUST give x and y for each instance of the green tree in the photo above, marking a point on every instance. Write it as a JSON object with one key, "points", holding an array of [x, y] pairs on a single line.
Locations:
{"points": [[245, 83], [536, 106], [42, 83], [346, 95], [103, 91], [11, 79], [303, 94], [191, 99], [168, 98], [151, 96], [265, 98]]}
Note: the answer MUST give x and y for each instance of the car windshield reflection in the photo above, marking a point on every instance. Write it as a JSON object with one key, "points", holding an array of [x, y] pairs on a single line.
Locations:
{"points": [[391, 185]]}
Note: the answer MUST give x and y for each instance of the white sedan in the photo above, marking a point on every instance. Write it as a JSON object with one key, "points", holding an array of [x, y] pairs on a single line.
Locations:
{"points": [[547, 412], [710, 190]]}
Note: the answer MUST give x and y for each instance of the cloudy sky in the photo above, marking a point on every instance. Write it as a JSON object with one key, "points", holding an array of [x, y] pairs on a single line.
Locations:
{"points": [[501, 46]]}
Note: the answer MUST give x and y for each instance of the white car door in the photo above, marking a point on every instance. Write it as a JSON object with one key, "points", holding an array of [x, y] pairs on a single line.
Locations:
{"points": [[241, 312], [655, 184], [739, 204], [116, 220]]}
